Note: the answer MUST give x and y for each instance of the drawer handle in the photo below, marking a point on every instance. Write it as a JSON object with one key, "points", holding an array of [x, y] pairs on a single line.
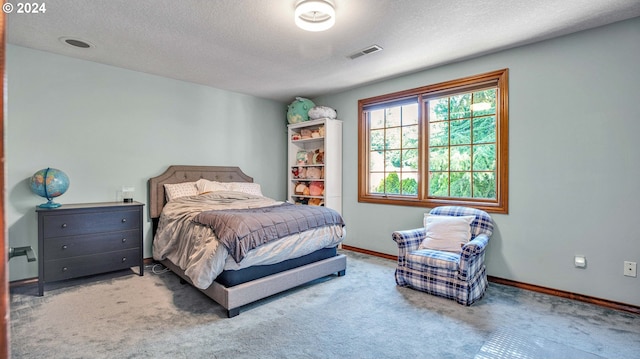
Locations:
{"points": [[124, 240], [64, 269], [124, 259], [64, 225], [124, 220], [64, 246]]}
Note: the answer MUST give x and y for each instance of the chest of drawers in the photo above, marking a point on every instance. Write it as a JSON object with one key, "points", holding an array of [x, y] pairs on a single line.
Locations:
{"points": [[78, 240]]}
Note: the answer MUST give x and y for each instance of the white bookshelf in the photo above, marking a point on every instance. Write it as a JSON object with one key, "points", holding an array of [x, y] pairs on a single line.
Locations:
{"points": [[326, 136]]}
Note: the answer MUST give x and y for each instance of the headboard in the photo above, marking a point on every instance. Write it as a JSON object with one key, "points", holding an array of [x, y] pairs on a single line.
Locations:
{"points": [[179, 174]]}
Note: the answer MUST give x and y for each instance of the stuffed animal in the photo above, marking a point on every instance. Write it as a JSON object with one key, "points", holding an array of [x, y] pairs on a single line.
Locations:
{"points": [[301, 189], [305, 133], [318, 157], [302, 157], [302, 172], [316, 188], [314, 173], [315, 202], [310, 156], [318, 112]]}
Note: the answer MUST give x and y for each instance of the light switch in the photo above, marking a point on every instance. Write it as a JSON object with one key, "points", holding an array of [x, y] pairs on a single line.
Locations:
{"points": [[580, 261]]}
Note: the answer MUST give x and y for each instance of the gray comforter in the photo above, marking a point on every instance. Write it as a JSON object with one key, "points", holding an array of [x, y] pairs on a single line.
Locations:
{"points": [[241, 230]]}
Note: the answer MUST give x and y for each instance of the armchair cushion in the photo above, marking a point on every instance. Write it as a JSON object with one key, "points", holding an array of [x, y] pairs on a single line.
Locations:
{"points": [[447, 233]]}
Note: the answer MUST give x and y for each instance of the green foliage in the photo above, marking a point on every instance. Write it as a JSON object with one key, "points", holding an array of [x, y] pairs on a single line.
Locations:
{"points": [[392, 185], [461, 146]]}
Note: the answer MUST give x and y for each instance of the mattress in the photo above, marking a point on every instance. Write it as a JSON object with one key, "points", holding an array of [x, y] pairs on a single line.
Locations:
{"points": [[229, 278]]}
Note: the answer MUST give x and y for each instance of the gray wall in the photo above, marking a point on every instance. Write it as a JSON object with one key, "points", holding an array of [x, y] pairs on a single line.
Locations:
{"points": [[573, 169], [107, 127]]}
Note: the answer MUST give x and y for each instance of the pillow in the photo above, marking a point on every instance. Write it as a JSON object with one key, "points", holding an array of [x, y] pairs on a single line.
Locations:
{"points": [[205, 186], [247, 187], [177, 190], [447, 233]]}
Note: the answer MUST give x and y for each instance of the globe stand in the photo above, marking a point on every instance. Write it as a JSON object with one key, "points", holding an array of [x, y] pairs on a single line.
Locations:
{"points": [[50, 204]]}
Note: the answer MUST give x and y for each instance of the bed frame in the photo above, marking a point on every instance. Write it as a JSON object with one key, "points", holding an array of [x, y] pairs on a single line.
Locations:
{"points": [[233, 298]]}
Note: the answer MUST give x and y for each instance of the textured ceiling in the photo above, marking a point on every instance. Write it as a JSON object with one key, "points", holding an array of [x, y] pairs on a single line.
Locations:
{"points": [[253, 46]]}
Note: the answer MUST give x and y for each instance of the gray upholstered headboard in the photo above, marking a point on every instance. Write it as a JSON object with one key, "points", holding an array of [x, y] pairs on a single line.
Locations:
{"points": [[179, 174]]}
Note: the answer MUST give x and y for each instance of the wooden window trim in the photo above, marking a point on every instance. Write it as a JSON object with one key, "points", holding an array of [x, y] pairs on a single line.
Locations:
{"points": [[500, 204]]}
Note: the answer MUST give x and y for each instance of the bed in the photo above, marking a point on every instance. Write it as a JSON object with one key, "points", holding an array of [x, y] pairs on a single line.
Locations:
{"points": [[271, 268]]}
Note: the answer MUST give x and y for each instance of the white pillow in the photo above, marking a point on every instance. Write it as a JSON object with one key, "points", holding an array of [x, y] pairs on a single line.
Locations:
{"points": [[247, 187], [447, 233], [205, 186], [177, 190]]}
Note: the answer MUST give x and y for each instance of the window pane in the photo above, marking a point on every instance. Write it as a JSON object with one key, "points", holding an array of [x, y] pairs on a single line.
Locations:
{"points": [[410, 115], [392, 183], [438, 159], [376, 119], [376, 161], [484, 102], [410, 137], [439, 109], [460, 106], [461, 158], [461, 184], [460, 132], [484, 185], [410, 160], [393, 138], [484, 129], [439, 184], [409, 184], [394, 116], [392, 160], [439, 134], [484, 157], [376, 183], [376, 140]]}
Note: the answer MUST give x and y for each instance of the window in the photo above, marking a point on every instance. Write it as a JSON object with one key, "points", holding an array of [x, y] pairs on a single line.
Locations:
{"points": [[443, 144]]}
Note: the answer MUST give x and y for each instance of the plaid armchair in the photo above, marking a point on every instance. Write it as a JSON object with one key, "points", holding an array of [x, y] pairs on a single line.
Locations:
{"points": [[458, 276]]}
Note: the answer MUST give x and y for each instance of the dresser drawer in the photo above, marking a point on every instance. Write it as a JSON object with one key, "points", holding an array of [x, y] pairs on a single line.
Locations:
{"points": [[60, 225], [64, 247], [91, 264]]}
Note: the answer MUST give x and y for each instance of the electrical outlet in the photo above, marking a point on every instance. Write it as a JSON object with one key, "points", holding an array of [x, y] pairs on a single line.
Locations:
{"points": [[630, 269]]}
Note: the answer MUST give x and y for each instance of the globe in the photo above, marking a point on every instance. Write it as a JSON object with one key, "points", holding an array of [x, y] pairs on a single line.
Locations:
{"points": [[49, 183], [298, 110]]}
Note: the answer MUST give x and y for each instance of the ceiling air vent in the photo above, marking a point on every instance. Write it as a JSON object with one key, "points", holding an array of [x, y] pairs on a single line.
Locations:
{"points": [[369, 50]]}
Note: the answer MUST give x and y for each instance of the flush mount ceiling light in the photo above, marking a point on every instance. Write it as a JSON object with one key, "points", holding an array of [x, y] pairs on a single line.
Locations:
{"points": [[315, 15]]}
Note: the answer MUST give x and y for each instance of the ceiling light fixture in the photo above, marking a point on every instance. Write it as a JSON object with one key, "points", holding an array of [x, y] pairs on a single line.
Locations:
{"points": [[315, 15]]}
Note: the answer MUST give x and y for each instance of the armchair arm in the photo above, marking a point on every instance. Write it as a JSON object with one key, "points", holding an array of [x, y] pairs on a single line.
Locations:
{"points": [[408, 240], [472, 256]]}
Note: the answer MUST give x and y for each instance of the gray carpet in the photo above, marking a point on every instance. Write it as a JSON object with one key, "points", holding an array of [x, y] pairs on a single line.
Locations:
{"points": [[360, 315]]}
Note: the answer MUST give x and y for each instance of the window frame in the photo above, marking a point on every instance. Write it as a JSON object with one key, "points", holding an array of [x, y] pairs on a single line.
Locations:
{"points": [[499, 78]]}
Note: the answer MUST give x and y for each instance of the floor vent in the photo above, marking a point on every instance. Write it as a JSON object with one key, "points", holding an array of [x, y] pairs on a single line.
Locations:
{"points": [[369, 50]]}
